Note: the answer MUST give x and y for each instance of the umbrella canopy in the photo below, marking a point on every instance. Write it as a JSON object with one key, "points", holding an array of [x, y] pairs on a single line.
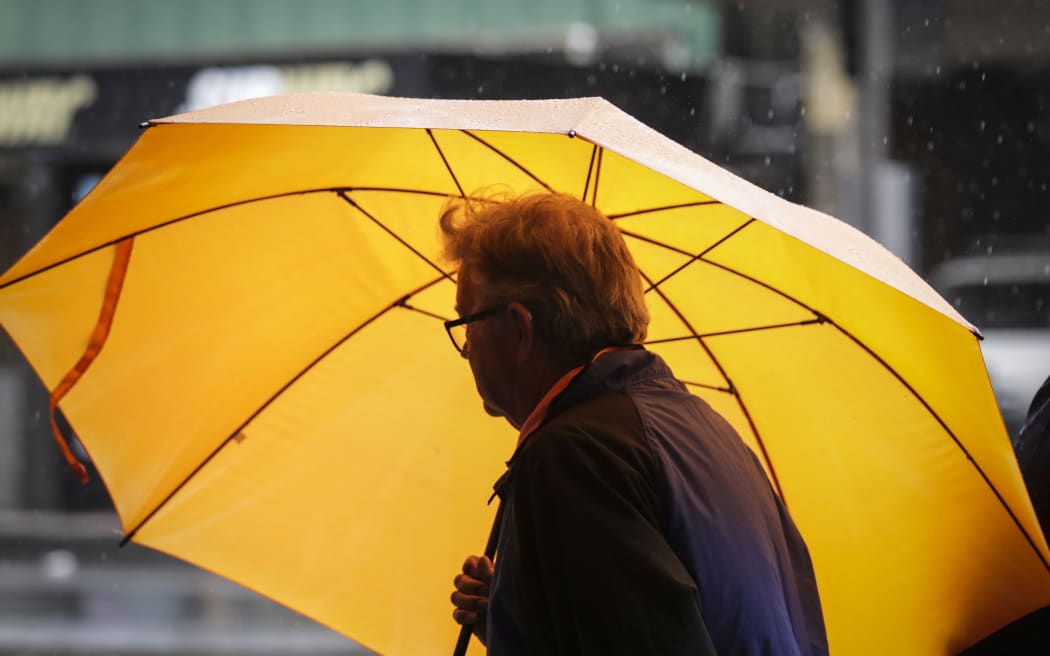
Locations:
{"points": [[241, 322]]}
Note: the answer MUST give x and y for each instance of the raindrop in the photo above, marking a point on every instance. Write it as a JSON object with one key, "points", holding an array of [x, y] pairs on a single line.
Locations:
{"points": [[770, 114], [663, 90], [885, 140], [929, 146], [802, 110], [983, 76], [982, 126], [911, 120], [985, 281], [59, 564], [926, 22], [999, 138], [1030, 126], [937, 70], [692, 111], [682, 76], [768, 159]]}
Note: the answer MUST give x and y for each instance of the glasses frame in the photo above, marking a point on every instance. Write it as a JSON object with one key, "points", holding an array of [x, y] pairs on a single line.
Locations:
{"points": [[470, 318]]}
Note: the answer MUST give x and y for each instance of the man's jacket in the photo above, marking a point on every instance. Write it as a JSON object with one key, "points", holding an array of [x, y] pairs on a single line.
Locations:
{"points": [[636, 521]]}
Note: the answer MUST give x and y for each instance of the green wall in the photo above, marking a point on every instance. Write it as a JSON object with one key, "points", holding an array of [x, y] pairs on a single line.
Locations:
{"points": [[61, 32]]}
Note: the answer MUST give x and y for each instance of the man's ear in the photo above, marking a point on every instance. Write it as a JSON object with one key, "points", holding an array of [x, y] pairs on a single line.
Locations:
{"points": [[525, 330]]}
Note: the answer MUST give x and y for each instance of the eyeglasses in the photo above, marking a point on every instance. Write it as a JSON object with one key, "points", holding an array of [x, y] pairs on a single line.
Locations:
{"points": [[457, 328]]}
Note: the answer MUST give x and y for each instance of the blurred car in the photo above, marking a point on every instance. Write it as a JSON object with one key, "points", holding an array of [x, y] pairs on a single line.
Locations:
{"points": [[1007, 296]]}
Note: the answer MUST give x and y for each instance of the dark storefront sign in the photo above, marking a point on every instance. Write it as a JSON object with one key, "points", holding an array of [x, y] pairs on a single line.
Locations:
{"points": [[98, 111]]}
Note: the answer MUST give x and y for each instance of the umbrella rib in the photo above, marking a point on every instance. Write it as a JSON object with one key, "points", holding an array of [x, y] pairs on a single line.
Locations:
{"points": [[590, 170], [738, 331], [700, 256], [404, 303], [735, 392], [508, 158], [198, 214], [758, 282], [396, 304], [441, 154], [393, 234], [650, 210], [713, 388], [597, 177], [655, 242]]}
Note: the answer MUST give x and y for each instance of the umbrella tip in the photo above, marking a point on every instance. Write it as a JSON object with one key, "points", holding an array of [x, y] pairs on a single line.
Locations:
{"points": [[572, 134], [143, 125]]}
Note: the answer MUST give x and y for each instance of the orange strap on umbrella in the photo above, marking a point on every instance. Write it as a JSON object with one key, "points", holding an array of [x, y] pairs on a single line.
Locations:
{"points": [[98, 338]]}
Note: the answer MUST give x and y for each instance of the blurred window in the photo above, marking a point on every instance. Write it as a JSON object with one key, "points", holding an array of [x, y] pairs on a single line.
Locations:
{"points": [[1015, 305]]}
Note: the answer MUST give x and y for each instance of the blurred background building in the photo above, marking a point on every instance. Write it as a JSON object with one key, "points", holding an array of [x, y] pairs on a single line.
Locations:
{"points": [[924, 123]]}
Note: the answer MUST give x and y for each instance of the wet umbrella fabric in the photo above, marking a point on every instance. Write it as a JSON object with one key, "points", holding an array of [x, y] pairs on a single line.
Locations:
{"points": [[241, 322]]}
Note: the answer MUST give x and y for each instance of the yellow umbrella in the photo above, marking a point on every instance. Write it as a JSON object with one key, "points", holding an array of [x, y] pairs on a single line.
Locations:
{"points": [[241, 322]]}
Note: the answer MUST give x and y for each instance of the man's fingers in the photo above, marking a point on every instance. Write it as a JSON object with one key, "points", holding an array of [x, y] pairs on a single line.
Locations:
{"points": [[470, 602], [478, 567], [471, 597], [471, 585], [464, 617]]}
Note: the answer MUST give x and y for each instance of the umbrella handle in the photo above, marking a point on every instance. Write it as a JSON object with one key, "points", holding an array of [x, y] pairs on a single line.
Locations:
{"points": [[490, 552], [464, 640]]}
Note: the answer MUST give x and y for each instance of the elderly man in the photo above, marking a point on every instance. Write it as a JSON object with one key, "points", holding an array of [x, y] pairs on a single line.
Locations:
{"points": [[634, 519]]}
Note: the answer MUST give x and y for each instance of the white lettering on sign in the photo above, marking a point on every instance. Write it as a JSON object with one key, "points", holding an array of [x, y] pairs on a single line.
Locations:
{"points": [[215, 86], [40, 111]]}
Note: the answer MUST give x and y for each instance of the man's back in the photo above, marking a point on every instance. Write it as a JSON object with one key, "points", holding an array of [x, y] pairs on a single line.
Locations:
{"points": [[638, 522]]}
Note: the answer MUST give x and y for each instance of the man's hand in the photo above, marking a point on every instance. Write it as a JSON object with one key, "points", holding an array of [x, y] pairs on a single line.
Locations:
{"points": [[471, 597]]}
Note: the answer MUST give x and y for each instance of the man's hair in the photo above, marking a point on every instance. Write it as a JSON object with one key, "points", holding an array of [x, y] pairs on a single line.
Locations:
{"points": [[557, 256]]}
